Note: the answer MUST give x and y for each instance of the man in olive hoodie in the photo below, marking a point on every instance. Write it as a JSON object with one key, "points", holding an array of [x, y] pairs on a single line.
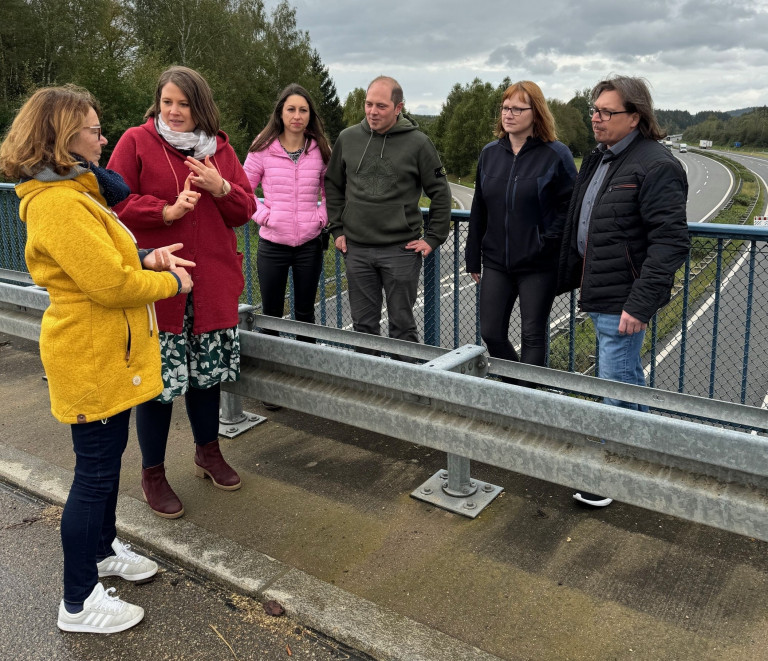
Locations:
{"points": [[374, 180]]}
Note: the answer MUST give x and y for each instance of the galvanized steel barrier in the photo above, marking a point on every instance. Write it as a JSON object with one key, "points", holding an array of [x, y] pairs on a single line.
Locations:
{"points": [[707, 341], [696, 471]]}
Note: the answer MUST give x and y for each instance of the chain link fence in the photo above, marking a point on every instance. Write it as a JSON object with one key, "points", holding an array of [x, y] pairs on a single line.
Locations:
{"points": [[708, 341]]}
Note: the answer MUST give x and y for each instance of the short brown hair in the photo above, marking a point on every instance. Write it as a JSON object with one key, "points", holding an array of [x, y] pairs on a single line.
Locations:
{"points": [[636, 97], [543, 121], [204, 111], [43, 129], [397, 91]]}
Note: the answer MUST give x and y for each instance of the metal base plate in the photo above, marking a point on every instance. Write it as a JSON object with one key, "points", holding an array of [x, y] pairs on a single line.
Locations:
{"points": [[232, 429], [432, 492]]}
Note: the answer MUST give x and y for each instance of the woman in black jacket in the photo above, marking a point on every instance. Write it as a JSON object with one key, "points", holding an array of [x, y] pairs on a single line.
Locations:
{"points": [[523, 185]]}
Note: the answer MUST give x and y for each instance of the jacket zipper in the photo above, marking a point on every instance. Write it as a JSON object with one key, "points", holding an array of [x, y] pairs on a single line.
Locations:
{"points": [[511, 209], [630, 262]]}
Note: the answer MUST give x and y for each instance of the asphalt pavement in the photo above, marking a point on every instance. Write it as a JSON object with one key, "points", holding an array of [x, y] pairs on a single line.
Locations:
{"points": [[187, 617], [325, 526]]}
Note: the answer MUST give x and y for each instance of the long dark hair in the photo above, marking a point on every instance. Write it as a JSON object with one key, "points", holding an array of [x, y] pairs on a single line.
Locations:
{"points": [[275, 126]]}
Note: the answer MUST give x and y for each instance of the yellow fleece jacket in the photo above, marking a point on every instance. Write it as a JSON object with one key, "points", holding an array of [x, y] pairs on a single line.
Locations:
{"points": [[98, 339]]}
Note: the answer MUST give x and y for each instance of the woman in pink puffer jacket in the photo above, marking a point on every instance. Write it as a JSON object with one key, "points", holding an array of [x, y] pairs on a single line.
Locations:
{"points": [[288, 158]]}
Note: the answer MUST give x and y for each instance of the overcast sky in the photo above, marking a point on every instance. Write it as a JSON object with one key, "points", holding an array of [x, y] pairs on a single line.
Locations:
{"points": [[697, 54]]}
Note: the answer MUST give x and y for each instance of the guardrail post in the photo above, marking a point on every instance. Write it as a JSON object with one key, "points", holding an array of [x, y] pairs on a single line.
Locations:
{"points": [[233, 421], [454, 489]]}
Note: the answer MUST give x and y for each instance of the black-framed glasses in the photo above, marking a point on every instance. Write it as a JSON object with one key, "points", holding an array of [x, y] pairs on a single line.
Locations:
{"points": [[505, 110], [97, 129], [606, 115]]}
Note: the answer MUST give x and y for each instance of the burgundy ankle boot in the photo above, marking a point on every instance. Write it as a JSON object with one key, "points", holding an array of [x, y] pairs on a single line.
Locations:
{"points": [[158, 493], [209, 462]]}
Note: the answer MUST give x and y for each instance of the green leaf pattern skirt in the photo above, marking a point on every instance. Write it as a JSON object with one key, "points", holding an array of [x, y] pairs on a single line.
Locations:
{"points": [[200, 361]]}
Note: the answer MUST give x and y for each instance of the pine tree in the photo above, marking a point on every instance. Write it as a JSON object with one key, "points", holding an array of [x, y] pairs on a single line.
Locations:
{"points": [[328, 105]]}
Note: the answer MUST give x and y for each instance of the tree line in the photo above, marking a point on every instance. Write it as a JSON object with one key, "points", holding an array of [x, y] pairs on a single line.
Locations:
{"points": [[118, 48], [750, 129], [468, 117]]}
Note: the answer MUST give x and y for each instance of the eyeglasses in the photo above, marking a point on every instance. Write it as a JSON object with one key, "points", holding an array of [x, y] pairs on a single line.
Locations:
{"points": [[96, 129], [605, 115], [505, 110]]}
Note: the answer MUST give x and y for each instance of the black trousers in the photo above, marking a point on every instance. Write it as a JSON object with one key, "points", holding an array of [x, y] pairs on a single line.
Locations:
{"points": [[273, 261]]}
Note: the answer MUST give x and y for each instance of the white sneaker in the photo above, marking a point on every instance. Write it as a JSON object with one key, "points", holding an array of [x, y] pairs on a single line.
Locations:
{"points": [[127, 564], [102, 613]]}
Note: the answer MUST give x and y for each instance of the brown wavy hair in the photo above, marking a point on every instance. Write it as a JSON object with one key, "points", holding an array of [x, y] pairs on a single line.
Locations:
{"points": [[43, 129], [205, 112], [543, 121]]}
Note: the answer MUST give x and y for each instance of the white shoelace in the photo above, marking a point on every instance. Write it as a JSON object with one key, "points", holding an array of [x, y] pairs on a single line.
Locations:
{"points": [[126, 553], [110, 603]]}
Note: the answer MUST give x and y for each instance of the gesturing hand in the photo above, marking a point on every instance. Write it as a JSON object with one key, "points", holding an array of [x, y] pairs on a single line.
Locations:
{"points": [[185, 202], [205, 176], [163, 259]]}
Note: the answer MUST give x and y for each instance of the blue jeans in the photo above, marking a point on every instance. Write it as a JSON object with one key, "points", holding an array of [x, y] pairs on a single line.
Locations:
{"points": [[88, 520], [619, 356]]}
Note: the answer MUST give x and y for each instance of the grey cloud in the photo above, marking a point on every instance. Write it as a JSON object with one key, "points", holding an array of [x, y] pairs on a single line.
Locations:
{"points": [[688, 46], [509, 55]]}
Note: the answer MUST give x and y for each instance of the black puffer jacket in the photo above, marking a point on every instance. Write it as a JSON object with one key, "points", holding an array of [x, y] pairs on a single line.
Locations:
{"points": [[638, 234], [519, 206]]}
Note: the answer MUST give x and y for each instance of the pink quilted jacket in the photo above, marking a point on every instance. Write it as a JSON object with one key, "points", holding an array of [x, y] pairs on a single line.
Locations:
{"points": [[289, 214]]}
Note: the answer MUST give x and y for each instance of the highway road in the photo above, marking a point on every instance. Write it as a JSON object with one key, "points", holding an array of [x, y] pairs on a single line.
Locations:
{"points": [[709, 186], [717, 369]]}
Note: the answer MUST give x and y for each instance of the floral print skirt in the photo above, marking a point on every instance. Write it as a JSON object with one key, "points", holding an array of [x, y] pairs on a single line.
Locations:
{"points": [[200, 361]]}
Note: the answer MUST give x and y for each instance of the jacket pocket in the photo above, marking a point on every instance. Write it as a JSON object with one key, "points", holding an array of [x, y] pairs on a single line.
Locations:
{"points": [[630, 263], [370, 220]]}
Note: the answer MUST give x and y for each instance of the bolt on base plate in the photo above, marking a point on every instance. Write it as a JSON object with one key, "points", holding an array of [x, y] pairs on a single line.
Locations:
{"points": [[432, 491], [232, 429]]}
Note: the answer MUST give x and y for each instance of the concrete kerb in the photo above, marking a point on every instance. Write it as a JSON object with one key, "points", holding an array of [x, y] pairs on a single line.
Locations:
{"points": [[354, 621]]}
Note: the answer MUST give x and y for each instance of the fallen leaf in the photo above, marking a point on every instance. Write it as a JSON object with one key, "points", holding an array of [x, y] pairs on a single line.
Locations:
{"points": [[274, 608]]}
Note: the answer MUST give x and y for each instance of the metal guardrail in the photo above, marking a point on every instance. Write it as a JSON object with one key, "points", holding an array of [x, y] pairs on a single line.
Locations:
{"points": [[687, 469]]}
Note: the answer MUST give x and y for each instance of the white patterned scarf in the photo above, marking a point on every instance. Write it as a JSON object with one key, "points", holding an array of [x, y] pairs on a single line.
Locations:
{"points": [[203, 144]]}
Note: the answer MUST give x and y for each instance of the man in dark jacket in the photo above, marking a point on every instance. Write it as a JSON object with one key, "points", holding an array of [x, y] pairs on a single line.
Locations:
{"points": [[374, 180], [626, 233]]}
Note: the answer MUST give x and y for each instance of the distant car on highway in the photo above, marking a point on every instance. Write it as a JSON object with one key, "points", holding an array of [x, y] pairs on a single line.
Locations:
{"points": [[683, 148]]}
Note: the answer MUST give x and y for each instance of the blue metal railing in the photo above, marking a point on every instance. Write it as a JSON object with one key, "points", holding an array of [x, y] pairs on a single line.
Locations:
{"points": [[708, 348]]}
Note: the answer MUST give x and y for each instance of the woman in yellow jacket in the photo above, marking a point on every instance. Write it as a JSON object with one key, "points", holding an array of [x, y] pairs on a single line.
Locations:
{"points": [[98, 339]]}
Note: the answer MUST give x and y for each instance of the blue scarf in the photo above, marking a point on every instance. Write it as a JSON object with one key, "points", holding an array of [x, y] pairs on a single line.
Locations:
{"points": [[111, 185]]}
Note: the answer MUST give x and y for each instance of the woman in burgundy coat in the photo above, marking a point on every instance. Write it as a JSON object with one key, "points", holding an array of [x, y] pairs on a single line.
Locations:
{"points": [[187, 186]]}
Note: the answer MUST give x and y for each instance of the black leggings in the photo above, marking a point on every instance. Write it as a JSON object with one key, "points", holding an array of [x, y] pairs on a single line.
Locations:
{"points": [[498, 293], [153, 422], [273, 262]]}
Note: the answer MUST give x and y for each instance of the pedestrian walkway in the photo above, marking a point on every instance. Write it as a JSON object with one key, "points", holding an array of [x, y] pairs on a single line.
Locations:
{"points": [[186, 618], [324, 524]]}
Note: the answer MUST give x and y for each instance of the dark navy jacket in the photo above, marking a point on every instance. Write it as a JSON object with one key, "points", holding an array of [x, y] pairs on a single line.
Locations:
{"points": [[638, 234], [520, 206]]}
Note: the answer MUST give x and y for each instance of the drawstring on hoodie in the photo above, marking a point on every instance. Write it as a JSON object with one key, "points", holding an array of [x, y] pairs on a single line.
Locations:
{"points": [[150, 306], [370, 137]]}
